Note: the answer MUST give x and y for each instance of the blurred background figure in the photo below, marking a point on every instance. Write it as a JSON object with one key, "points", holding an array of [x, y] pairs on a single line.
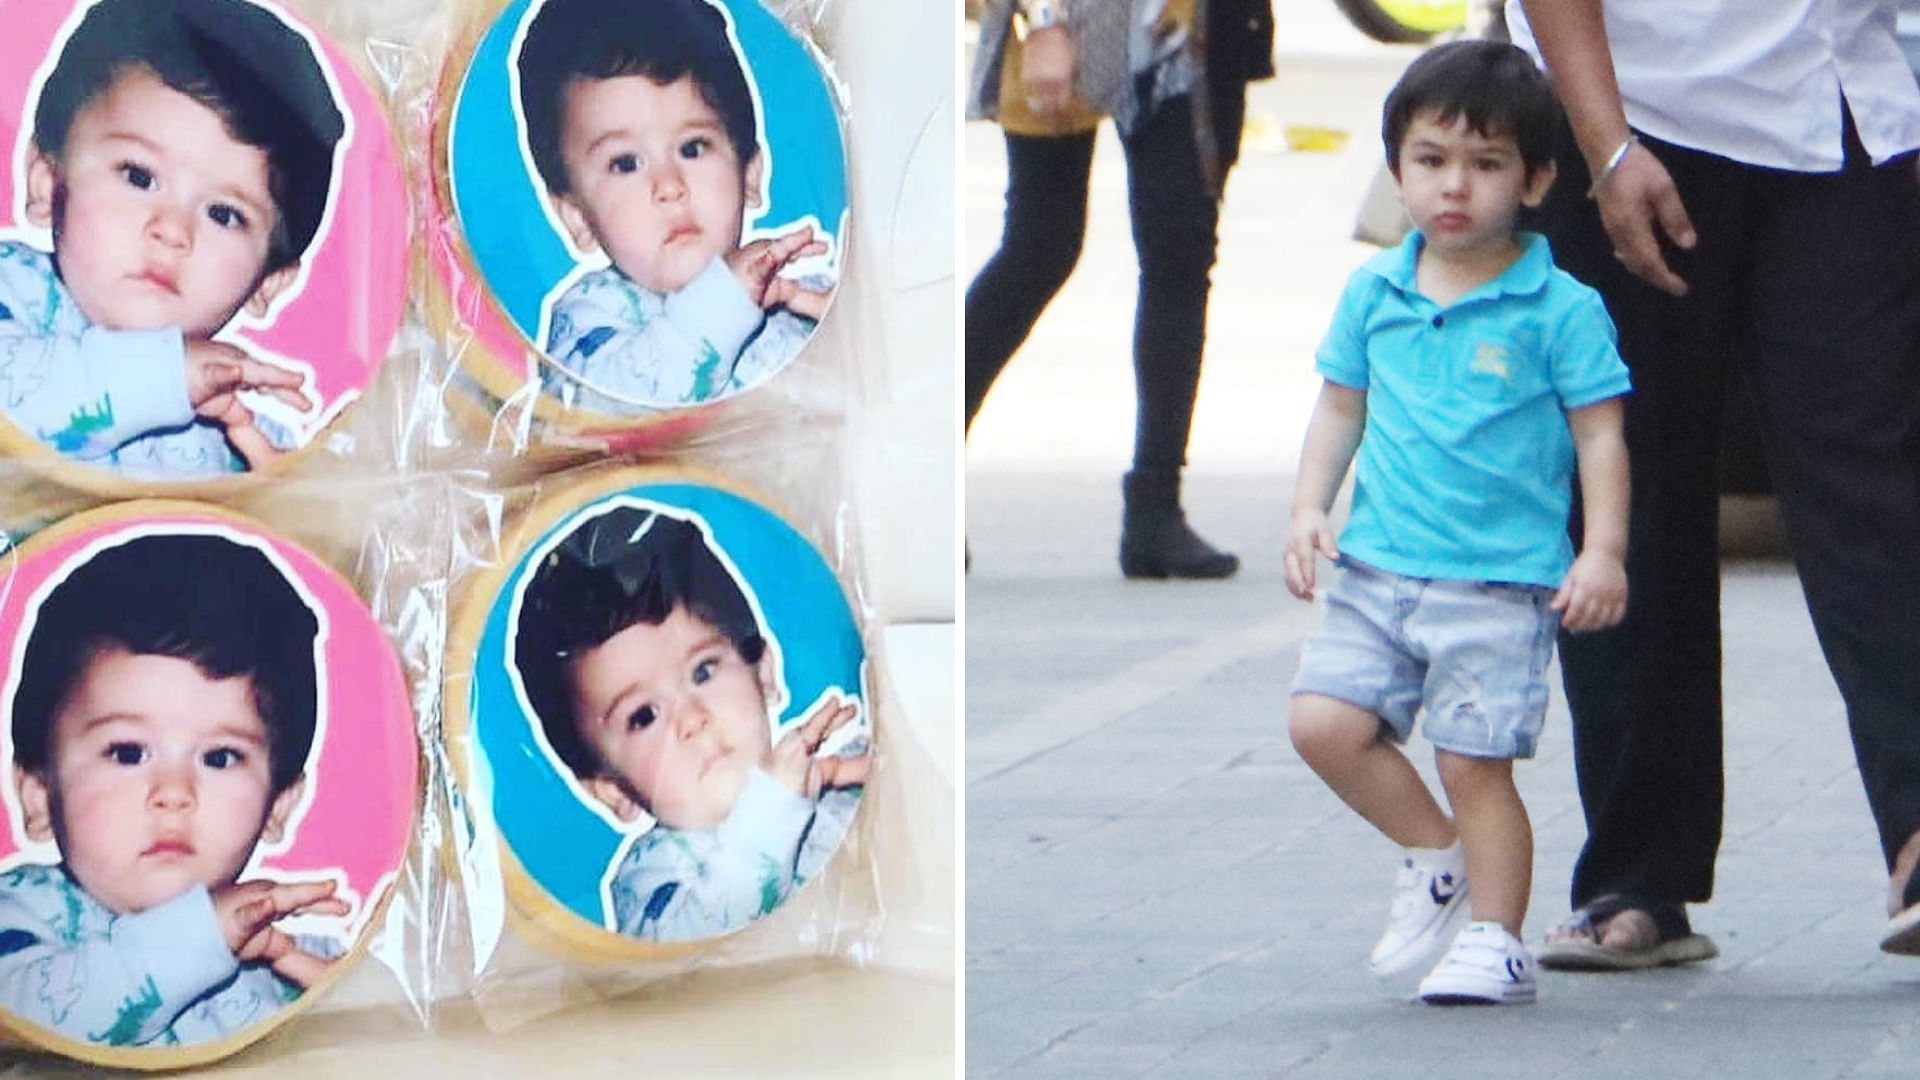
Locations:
{"points": [[1172, 74]]}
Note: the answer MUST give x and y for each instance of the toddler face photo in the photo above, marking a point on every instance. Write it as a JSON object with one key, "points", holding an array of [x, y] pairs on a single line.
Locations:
{"points": [[158, 742], [648, 669], [181, 157], [645, 135]]}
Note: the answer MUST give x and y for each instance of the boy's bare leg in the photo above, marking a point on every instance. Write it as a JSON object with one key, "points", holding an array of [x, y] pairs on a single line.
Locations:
{"points": [[1495, 834], [1341, 742]]}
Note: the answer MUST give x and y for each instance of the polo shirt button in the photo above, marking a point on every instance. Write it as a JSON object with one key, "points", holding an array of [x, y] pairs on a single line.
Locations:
{"points": [[1439, 321]]}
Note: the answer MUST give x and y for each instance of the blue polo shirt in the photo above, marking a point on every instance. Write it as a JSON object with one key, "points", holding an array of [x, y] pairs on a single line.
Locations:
{"points": [[1465, 469]]}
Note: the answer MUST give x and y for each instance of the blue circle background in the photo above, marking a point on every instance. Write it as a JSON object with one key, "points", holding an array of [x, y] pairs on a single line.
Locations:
{"points": [[499, 202], [562, 844]]}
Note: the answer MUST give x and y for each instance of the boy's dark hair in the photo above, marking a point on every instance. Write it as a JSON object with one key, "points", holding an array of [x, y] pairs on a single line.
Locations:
{"points": [[662, 40], [1495, 85], [217, 604], [254, 71], [624, 567]]}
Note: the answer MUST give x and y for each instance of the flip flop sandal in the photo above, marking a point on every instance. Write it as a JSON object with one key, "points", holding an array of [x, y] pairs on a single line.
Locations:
{"points": [[1675, 942], [1902, 935]]}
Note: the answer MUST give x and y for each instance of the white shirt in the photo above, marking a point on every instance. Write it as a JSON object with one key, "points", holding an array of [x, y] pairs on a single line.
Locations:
{"points": [[1759, 81]]}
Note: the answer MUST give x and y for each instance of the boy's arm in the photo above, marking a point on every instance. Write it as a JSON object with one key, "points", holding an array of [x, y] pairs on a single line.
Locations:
{"points": [[680, 352], [1594, 596], [680, 889], [121, 987], [1333, 435], [86, 394]]}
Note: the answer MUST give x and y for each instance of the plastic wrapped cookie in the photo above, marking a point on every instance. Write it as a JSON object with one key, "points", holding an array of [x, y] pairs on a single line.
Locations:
{"points": [[211, 781], [650, 199], [664, 719], [202, 239]]}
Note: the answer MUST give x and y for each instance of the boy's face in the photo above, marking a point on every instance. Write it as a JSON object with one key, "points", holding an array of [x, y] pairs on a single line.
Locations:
{"points": [[160, 217], [157, 780], [656, 182], [1463, 189], [677, 716]]}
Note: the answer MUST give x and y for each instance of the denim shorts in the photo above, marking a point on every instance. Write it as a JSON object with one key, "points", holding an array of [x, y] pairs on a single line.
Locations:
{"points": [[1469, 657]]}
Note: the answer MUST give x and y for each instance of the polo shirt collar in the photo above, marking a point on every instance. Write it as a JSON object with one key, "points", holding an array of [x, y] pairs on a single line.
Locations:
{"points": [[1527, 275]]}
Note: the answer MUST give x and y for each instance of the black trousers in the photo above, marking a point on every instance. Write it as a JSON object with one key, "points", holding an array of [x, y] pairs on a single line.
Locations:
{"points": [[1175, 229], [1809, 284]]}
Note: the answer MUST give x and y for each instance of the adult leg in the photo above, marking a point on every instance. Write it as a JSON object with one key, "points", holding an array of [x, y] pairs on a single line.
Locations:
{"points": [[1175, 233], [1837, 324], [1645, 695], [1046, 222]]}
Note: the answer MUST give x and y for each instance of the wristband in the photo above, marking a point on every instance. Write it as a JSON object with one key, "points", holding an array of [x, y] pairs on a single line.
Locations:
{"points": [[1613, 164]]}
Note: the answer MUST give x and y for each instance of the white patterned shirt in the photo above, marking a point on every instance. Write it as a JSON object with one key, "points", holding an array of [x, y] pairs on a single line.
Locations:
{"points": [[619, 348], [160, 977], [113, 398], [687, 884]]}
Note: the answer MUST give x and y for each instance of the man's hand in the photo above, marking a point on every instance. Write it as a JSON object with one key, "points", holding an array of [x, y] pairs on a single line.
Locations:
{"points": [[757, 265], [1311, 535], [791, 760], [1594, 596], [247, 911], [1634, 199]]}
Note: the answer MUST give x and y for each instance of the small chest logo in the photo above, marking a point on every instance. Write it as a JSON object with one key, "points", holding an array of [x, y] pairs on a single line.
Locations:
{"points": [[1490, 359]]}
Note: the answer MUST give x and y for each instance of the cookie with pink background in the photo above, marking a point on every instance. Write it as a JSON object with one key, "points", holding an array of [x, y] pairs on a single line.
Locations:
{"points": [[241, 668], [303, 168]]}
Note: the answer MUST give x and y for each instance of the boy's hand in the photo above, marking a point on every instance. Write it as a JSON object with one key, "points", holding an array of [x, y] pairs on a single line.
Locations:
{"points": [[797, 298], [215, 372], [216, 369], [1594, 596], [1310, 536], [247, 911], [757, 265], [791, 760]]}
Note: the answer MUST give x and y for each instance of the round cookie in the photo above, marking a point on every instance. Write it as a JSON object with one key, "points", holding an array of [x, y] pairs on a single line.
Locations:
{"points": [[657, 703], [192, 261], [212, 778], [588, 301]]}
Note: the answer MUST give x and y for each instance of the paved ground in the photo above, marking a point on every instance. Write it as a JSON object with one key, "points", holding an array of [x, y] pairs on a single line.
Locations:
{"points": [[1157, 887]]}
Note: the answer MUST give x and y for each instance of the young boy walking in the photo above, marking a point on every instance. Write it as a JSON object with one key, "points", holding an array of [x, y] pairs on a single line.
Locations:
{"points": [[1469, 378]]}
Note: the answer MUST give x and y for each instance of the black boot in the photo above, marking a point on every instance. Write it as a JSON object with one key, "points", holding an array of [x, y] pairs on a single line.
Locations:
{"points": [[1155, 541]]}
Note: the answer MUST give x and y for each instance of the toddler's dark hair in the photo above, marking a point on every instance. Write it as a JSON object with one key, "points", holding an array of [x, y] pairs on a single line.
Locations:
{"points": [[627, 566], [217, 604], [662, 40], [1495, 85], [239, 60]]}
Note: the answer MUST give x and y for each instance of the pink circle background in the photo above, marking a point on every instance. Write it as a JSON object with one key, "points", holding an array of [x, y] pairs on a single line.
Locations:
{"points": [[365, 779], [349, 309]]}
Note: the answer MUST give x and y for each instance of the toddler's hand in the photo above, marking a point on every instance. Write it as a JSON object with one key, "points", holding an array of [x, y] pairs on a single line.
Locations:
{"points": [[247, 911], [1310, 536], [791, 760], [1594, 596], [757, 265], [216, 369], [797, 298], [215, 372]]}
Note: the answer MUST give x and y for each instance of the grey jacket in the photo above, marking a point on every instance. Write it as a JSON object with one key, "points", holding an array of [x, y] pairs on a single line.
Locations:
{"points": [[1101, 67]]}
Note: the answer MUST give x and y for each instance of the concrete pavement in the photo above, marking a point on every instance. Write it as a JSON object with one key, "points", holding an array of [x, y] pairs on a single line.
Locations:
{"points": [[1156, 886]]}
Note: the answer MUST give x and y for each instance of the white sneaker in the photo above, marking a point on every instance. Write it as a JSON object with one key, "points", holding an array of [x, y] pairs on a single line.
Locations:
{"points": [[1429, 906], [1486, 966]]}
